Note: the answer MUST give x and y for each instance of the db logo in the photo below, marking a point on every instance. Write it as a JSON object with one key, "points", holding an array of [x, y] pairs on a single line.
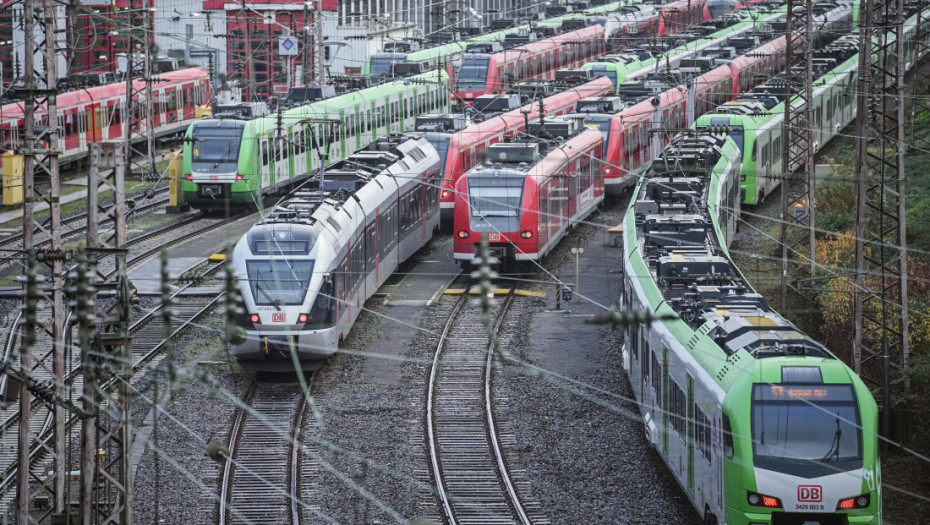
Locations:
{"points": [[278, 317], [494, 237], [810, 493]]}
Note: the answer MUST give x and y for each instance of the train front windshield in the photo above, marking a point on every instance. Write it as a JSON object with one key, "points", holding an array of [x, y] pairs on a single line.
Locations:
{"points": [[473, 75], [215, 149], [279, 282], [381, 64], [440, 141], [494, 200], [806, 429], [600, 123], [606, 71]]}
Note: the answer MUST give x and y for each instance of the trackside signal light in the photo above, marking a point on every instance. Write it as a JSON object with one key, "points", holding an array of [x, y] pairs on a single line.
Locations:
{"points": [[859, 502], [254, 318], [526, 234], [445, 194], [302, 318], [761, 500], [463, 234]]}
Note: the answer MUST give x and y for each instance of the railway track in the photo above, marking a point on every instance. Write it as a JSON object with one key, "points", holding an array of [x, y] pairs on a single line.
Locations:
{"points": [[149, 341], [261, 479], [75, 225], [471, 475]]}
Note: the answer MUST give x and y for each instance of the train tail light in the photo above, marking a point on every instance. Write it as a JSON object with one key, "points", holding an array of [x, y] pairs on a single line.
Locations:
{"points": [[859, 502], [445, 194], [463, 234], [302, 318], [239, 177], [254, 318], [190, 176], [526, 234], [761, 500]]}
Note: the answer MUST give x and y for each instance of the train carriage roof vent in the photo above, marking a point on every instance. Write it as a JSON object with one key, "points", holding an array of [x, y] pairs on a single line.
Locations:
{"points": [[801, 374]]}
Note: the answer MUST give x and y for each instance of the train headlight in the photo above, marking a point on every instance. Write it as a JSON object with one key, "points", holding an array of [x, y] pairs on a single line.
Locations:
{"points": [[761, 500], [445, 194], [526, 234], [607, 170], [859, 502], [254, 318], [302, 318], [463, 234]]}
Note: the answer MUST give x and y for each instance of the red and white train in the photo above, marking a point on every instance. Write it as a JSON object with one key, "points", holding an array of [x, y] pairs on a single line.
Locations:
{"points": [[97, 114], [626, 133], [526, 195], [485, 73], [468, 147]]}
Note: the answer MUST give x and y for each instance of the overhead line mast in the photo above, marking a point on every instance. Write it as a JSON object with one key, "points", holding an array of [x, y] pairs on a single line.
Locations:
{"points": [[40, 157], [797, 154], [880, 345]]}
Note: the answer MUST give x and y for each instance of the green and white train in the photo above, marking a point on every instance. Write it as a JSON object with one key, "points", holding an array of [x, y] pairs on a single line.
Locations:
{"points": [[757, 422], [755, 119], [235, 162]]}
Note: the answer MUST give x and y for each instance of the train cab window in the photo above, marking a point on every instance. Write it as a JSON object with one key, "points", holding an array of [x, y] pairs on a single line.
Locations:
{"points": [[279, 282], [791, 423]]}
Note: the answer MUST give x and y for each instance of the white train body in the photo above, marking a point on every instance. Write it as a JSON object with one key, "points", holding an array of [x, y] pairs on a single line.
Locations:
{"points": [[306, 270]]}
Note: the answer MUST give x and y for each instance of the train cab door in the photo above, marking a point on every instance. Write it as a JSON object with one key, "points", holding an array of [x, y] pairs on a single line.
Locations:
{"points": [[265, 160], [280, 160]]}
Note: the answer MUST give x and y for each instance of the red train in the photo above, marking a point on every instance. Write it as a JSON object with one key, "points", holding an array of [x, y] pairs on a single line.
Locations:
{"points": [[96, 114], [466, 148], [483, 73], [629, 144], [677, 16], [526, 195]]}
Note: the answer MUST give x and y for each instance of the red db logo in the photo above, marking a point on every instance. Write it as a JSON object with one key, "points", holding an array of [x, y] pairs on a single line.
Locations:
{"points": [[278, 317], [810, 493], [494, 237]]}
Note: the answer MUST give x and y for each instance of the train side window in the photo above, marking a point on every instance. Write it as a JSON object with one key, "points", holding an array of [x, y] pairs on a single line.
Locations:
{"points": [[727, 437]]}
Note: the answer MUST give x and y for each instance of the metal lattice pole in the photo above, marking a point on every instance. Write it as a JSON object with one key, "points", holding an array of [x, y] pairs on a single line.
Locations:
{"points": [[880, 347], [40, 159], [139, 131], [798, 153], [107, 427]]}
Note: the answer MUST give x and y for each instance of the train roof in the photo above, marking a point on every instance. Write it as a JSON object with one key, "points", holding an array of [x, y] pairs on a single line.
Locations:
{"points": [[678, 242]]}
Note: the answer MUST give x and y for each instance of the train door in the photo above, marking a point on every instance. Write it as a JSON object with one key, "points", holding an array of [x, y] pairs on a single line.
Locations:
{"points": [[93, 115], [689, 425], [280, 159], [190, 107], [264, 158], [158, 108], [70, 130], [114, 119], [171, 105]]}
